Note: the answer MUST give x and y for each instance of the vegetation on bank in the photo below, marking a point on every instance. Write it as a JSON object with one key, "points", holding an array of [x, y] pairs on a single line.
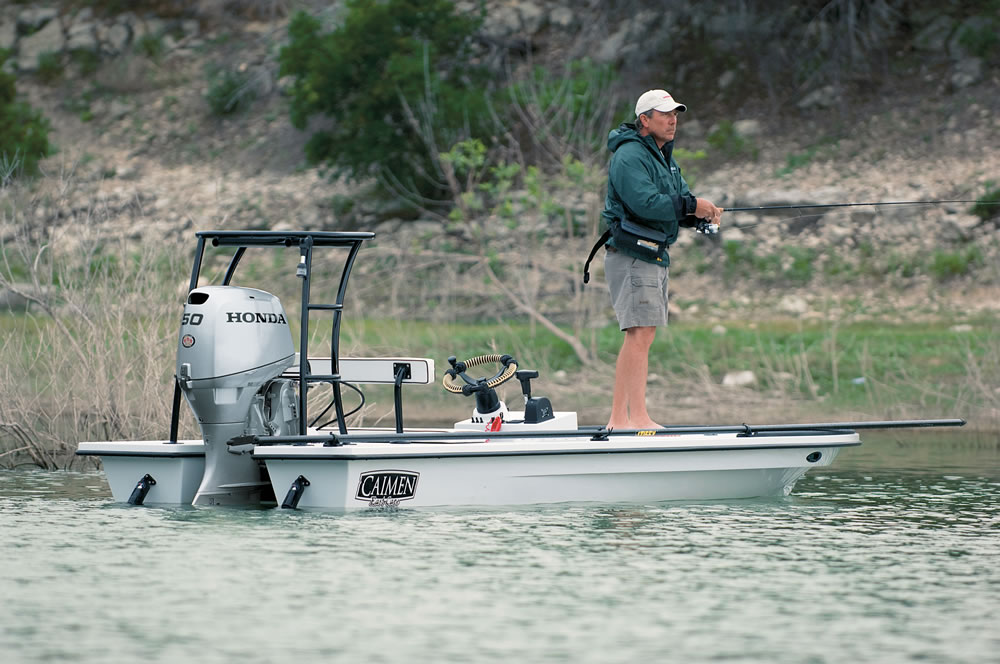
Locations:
{"points": [[400, 81], [91, 353], [120, 389], [24, 131]]}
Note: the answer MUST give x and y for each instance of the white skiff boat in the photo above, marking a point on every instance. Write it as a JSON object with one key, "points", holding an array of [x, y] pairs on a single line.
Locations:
{"points": [[239, 371]]}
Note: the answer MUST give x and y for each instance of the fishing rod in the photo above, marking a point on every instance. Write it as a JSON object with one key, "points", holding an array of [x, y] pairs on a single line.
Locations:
{"points": [[838, 205], [707, 228]]}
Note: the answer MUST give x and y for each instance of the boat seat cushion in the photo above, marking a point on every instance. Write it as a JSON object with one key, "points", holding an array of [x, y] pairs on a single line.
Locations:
{"points": [[371, 369]]}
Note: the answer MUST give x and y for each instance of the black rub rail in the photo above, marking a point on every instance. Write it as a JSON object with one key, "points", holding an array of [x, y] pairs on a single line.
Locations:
{"points": [[596, 433]]}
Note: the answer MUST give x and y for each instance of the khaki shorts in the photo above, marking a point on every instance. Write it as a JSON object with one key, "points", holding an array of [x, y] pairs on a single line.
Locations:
{"points": [[638, 290]]}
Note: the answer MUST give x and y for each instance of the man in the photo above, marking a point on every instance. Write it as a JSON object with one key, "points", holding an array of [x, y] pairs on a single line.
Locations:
{"points": [[645, 187]]}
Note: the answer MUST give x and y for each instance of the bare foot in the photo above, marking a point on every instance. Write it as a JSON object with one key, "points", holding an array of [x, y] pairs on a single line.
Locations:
{"points": [[645, 424]]}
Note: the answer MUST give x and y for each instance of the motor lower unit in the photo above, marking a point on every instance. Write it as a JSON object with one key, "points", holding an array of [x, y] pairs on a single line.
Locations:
{"points": [[233, 346]]}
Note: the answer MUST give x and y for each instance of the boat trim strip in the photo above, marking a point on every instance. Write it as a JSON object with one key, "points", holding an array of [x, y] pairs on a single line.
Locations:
{"points": [[342, 454], [109, 453]]}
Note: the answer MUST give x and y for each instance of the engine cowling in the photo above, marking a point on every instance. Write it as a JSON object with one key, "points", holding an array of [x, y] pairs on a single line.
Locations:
{"points": [[233, 343], [232, 340]]}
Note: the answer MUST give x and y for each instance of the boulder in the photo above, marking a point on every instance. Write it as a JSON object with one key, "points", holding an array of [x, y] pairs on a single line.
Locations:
{"points": [[31, 20], [82, 37], [770, 197], [732, 234], [748, 128], [501, 23], [692, 128], [562, 17], [825, 97], [739, 379], [793, 304], [968, 71], [728, 78], [631, 34], [611, 48], [118, 109], [47, 40], [863, 215], [957, 47], [147, 27], [964, 223], [11, 301], [934, 37], [533, 17], [114, 38], [8, 36]]}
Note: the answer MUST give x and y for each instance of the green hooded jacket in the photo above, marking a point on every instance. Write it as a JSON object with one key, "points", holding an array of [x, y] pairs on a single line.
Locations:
{"points": [[645, 185]]}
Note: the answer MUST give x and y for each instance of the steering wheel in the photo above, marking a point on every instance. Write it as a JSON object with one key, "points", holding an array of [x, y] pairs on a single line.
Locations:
{"points": [[507, 369]]}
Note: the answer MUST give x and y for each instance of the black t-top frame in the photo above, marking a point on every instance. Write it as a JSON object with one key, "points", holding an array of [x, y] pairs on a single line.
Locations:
{"points": [[306, 241]]}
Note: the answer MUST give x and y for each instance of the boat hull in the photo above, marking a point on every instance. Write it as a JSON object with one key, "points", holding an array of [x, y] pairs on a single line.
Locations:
{"points": [[176, 468], [341, 480], [516, 471]]}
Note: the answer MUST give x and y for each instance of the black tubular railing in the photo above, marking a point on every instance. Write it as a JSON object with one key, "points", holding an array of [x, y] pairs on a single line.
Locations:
{"points": [[598, 433], [306, 241]]}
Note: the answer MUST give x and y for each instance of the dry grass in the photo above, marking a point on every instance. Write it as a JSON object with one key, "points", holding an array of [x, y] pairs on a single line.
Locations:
{"points": [[91, 357]]}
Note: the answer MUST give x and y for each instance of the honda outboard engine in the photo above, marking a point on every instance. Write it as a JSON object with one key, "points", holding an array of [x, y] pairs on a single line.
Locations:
{"points": [[234, 343]]}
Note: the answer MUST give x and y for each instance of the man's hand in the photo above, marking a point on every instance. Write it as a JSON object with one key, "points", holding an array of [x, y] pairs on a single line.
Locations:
{"points": [[706, 210]]}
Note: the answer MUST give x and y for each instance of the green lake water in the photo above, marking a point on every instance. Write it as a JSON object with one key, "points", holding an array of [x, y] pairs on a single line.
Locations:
{"points": [[890, 555]]}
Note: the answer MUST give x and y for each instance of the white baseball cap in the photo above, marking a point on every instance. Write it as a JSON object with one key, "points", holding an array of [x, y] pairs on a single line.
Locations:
{"points": [[659, 100]]}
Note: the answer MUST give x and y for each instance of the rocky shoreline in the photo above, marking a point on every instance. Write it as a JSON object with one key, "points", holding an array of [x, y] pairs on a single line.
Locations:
{"points": [[145, 160]]}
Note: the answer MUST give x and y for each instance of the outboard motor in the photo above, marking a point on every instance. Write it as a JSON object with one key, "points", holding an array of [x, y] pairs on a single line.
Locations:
{"points": [[234, 343]]}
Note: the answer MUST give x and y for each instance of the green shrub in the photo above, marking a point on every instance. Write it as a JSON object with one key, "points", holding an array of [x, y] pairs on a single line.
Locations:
{"points": [[795, 161], [800, 270], [690, 163], [903, 266], [24, 131], [947, 264], [86, 60], [50, 67], [341, 205], [575, 107], [80, 105], [151, 46], [743, 261], [793, 265], [261, 10], [162, 8], [727, 140], [229, 91], [835, 265], [398, 80], [988, 205], [982, 42]]}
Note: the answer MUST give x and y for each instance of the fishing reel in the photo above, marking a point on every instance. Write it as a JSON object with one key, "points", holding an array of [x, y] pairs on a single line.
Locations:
{"points": [[705, 227]]}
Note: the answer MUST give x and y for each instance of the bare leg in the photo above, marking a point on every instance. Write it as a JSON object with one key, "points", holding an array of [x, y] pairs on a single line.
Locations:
{"points": [[628, 405]]}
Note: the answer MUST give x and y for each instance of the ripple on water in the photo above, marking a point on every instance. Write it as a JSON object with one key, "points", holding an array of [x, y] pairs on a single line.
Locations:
{"points": [[854, 566]]}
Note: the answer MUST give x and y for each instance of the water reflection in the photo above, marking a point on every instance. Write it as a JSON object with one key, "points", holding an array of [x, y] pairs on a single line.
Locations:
{"points": [[956, 454], [53, 485], [873, 556]]}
